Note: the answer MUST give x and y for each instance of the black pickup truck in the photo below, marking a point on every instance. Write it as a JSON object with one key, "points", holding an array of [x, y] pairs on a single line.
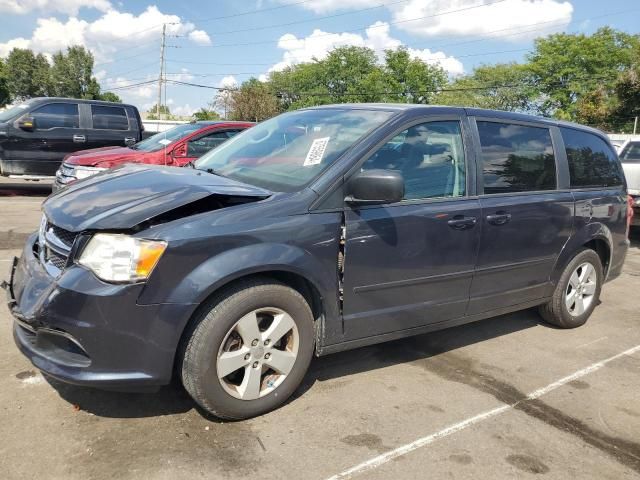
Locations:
{"points": [[36, 135]]}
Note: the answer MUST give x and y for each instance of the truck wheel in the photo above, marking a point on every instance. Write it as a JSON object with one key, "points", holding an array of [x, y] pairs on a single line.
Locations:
{"points": [[577, 292], [249, 349]]}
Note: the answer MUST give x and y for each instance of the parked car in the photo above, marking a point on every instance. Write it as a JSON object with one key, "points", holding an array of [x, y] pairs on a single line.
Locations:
{"points": [[177, 147], [36, 135], [316, 231], [630, 158]]}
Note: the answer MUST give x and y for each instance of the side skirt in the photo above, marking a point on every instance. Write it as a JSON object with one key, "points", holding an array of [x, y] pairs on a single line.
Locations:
{"points": [[363, 342]]}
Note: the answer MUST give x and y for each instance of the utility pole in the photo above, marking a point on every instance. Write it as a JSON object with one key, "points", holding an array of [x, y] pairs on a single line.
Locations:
{"points": [[635, 125], [164, 29]]}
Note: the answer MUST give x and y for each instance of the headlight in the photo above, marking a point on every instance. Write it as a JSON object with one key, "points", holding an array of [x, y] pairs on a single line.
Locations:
{"points": [[85, 172], [121, 258]]}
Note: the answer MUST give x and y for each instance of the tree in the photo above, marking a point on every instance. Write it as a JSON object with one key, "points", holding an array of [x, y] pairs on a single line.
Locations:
{"points": [[504, 86], [206, 114], [5, 97], [253, 101], [413, 79], [152, 113], [567, 66], [109, 97], [27, 74], [72, 74]]}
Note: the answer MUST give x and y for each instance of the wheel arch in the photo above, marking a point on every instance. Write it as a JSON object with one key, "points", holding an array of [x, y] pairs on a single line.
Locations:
{"points": [[595, 236]]}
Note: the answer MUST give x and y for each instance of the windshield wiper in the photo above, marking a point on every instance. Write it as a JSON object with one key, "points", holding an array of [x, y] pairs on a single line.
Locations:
{"points": [[190, 164]]}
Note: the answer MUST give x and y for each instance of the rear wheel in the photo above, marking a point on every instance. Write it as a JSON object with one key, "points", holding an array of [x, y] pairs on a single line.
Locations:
{"points": [[249, 349], [577, 292]]}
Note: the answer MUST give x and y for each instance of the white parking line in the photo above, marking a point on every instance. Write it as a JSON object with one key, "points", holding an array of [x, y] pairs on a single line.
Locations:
{"points": [[380, 460]]}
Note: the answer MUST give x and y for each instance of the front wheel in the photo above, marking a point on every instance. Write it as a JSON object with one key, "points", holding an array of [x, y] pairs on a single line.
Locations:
{"points": [[249, 349], [577, 292]]}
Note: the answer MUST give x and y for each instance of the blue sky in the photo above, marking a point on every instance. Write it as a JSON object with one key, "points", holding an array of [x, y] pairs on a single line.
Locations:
{"points": [[224, 42]]}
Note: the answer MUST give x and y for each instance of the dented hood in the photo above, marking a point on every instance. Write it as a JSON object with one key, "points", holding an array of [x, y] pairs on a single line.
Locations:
{"points": [[129, 195]]}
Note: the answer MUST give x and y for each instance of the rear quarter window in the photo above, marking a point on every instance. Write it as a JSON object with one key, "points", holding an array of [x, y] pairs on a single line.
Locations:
{"points": [[109, 118], [592, 162]]}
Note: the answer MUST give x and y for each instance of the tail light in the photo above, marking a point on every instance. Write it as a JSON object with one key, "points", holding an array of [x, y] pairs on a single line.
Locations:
{"points": [[631, 202]]}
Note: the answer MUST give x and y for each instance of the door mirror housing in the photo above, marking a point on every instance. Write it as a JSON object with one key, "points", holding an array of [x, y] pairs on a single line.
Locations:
{"points": [[375, 187], [180, 151], [27, 123]]}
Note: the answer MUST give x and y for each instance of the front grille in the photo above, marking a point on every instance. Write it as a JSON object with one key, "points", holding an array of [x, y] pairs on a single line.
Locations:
{"points": [[65, 236], [54, 246], [57, 260]]}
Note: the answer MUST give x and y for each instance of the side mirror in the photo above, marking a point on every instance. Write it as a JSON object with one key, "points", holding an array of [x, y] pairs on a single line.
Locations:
{"points": [[27, 123], [180, 151], [375, 187]]}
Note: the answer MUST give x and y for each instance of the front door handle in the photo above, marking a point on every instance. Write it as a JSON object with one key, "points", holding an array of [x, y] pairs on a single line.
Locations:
{"points": [[499, 218], [79, 138], [460, 222]]}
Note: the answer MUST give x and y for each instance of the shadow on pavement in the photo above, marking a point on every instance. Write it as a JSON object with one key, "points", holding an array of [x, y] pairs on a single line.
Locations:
{"points": [[11, 188], [173, 399]]}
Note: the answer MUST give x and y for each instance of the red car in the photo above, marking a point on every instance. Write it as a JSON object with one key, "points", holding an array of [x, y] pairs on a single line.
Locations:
{"points": [[177, 146]]}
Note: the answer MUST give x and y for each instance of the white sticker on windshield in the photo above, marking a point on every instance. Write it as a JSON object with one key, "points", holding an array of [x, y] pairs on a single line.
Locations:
{"points": [[316, 152], [164, 141]]}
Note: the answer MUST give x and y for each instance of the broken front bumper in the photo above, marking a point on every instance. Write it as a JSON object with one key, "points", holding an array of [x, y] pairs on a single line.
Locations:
{"points": [[81, 330]]}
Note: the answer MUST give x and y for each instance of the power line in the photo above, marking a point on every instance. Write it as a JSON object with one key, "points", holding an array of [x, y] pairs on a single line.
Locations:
{"points": [[315, 19], [361, 28], [252, 12]]}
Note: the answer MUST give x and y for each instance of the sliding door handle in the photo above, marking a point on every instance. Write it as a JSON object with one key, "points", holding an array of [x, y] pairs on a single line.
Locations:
{"points": [[499, 218]]}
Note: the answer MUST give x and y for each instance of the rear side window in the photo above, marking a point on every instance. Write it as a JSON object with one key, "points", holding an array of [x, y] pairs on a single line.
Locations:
{"points": [[55, 115], [516, 158], [631, 153], [592, 162], [109, 118]]}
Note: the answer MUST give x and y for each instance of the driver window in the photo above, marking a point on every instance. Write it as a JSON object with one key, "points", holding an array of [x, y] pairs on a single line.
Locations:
{"points": [[430, 157]]}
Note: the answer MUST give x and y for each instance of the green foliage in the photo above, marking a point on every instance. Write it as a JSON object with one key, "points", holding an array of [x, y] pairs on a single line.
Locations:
{"points": [[353, 74], [71, 74], [253, 101], [27, 74], [109, 97], [4, 86], [504, 86], [206, 114], [564, 67], [165, 113]]}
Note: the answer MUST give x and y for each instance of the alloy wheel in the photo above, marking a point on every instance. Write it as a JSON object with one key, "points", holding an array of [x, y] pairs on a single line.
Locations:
{"points": [[581, 289], [258, 353]]}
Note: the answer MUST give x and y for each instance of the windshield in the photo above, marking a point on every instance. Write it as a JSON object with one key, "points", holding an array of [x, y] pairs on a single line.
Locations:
{"points": [[631, 153], [163, 139], [12, 112], [287, 152]]}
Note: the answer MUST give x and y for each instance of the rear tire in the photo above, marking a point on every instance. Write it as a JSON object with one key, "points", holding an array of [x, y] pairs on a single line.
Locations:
{"points": [[249, 349], [577, 292]]}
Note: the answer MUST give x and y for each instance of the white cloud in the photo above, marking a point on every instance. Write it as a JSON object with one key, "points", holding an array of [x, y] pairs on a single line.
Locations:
{"points": [[70, 7], [182, 76], [136, 94], [323, 6], [377, 37], [228, 82], [185, 110], [200, 37], [19, 42], [417, 16], [112, 31]]}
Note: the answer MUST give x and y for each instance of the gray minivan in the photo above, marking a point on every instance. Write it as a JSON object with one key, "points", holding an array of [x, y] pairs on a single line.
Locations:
{"points": [[316, 231]]}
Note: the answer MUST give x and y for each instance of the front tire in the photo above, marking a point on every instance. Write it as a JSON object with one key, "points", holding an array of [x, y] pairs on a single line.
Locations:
{"points": [[577, 293], [249, 349]]}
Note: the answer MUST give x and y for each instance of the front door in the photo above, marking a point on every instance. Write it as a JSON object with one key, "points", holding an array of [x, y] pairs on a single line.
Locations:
{"points": [[56, 133], [411, 263], [526, 219]]}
